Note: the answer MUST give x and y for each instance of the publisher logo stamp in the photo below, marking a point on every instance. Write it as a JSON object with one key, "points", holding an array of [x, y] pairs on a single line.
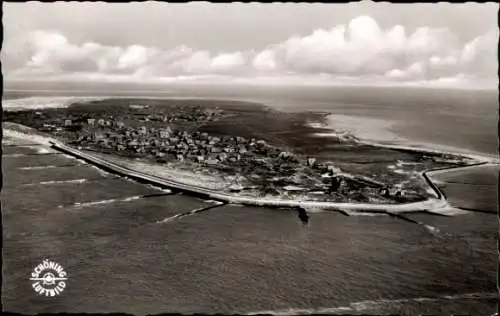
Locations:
{"points": [[48, 278]]}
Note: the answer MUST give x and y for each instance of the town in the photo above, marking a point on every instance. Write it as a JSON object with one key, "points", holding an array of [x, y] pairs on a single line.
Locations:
{"points": [[162, 139]]}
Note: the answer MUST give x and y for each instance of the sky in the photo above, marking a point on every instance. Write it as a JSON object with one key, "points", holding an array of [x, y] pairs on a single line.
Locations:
{"points": [[357, 43]]}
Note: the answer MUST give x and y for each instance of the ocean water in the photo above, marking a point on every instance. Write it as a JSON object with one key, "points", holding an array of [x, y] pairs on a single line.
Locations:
{"points": [[466, 120], [249, 260]]}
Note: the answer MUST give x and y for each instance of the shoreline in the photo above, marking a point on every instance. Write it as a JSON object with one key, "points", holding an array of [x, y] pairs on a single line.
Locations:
{"points": [[414, 146], [427, 205], [440, 202]]}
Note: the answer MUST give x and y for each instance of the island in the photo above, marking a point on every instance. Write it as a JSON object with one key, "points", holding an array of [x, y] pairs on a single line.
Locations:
{"points": [[240, 148]]}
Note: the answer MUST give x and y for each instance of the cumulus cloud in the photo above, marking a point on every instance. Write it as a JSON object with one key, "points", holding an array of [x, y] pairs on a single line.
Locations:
{"points": [[359, 48]]}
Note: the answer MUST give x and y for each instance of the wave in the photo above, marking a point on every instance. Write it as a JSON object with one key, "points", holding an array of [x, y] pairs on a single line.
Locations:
{"points": [[38, 167], [57, 182], [448, 211], [192, 212], [32, 103], [125, 199], [370, 305]]}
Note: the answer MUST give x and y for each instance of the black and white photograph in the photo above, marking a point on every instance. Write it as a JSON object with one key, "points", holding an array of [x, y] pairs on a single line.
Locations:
{"points": [[250, 158]]}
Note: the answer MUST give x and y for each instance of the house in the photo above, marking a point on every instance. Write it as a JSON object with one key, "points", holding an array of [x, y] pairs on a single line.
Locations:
{"points": [[133, 143], [100, 122], [332, 170], [67, 122], [143, 130], [211, 162], [91, 121], [284, 154], [311, 162], [163, 134], [98, 135], [222, 156]]}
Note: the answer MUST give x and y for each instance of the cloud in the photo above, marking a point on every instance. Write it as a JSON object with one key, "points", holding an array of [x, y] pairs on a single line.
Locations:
{"points": [[360, 48]]}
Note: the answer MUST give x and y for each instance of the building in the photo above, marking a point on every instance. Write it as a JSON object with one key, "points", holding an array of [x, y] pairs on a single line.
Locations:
{"points": [[133, 143], [222, 156], [311, 162], [91, 121], [211, 162], [163, 134], [67, 122], [284, 155]]}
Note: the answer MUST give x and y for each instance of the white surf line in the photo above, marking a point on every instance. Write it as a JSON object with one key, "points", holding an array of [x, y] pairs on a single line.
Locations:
{"points": [[86, 204], [369, 305], [41, 149], [44, 167], [192, 212], [56, 182], [31, 154], [109, 201], [20, 145]]}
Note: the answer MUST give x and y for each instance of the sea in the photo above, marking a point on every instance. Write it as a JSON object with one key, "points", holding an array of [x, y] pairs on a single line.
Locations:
{"points": [[466, 120], [249, 260]]}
